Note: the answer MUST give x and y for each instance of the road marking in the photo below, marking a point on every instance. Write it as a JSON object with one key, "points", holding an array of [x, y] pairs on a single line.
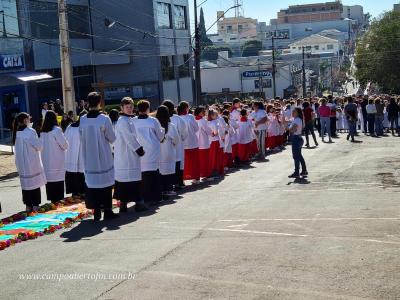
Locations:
{"points": [[314, 219], [258, 232], [240, 226]]}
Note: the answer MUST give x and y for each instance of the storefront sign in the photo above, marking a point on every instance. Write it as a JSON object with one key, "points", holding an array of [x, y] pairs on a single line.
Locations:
{"points": [[252, 74], [8, 62]]}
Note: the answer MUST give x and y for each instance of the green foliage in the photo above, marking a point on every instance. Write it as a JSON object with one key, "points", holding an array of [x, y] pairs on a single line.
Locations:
{"points": [[204, 40], [211, 52], [378, 53], [251, 48]]}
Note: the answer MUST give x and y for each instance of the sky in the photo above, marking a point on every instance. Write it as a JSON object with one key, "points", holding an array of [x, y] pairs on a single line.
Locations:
{"points": [[264, 10]]}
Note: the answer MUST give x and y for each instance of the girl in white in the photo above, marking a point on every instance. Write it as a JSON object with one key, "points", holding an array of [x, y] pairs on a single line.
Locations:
{"points": [[168, 151], [204, 136], [149, 134], [191, 144], [74, 175], [296, 130], [53, 157], [180, 147], [97, 135], [28, 162], [245, 137], [127, 153]]}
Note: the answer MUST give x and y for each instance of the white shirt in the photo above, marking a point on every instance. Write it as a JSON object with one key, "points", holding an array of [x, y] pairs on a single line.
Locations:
{"points": [[215, 129], [149, 134], [126, 160], [299, 130], [245, 132], [371, 109], [229, 140], [168, 151], [73, 155], [191, 142], [183, 134], [28, 160], [257, 116], [53, 154], [204, 134], [97, 135]]}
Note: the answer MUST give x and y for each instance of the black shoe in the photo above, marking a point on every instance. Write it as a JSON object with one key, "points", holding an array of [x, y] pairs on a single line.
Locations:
{"points": [[307, 145], [348, 137], [294, 175], [304, 174], [97, 214], [123, 208], [141, 207], [109, 215]]}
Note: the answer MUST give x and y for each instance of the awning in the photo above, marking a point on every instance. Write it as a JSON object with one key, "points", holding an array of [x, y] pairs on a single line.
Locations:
{"points": [[29, 76]]}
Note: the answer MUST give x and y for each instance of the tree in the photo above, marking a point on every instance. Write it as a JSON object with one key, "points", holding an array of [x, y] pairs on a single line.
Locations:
{"points": [[378, 53], [204, 40], [211, 52], [251, 48]]}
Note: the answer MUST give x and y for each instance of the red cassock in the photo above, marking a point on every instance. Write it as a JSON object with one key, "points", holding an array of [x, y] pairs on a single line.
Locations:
{"points": [[228, 160], [204, 156], [235, 150], [253, 148], [272, 142], [192, 166], [244, 152], [216, 158]]}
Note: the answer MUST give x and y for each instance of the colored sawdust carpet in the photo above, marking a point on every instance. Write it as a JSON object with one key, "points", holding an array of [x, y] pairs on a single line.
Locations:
{"points": [[50, 218]]}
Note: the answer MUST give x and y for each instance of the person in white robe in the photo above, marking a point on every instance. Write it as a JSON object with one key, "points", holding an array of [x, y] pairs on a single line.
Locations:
{"points": [[28, 162], [53, 157], [127, 153], [97, 135], [149, 134], [74, 175]]}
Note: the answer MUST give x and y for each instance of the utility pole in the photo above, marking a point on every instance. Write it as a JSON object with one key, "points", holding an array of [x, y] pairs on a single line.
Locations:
{"points": [[65, 56], [273, 67], [4, 24], [304, 75], [197, 54]]}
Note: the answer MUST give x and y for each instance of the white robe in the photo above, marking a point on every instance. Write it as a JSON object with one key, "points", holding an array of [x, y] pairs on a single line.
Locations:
{"points": [[97, 135], [191, 141], [204, 134], [126, 160], [183, 134], [149, 134], [28, 160], [53, 154], [168, 151], [73, 155], [245, 132]]}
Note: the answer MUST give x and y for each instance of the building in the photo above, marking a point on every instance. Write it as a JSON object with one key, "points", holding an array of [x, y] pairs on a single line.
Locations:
{"points": [[235, 25], [140, 50], [316, 12], [396, 7], [317, 44], [354, 12]]}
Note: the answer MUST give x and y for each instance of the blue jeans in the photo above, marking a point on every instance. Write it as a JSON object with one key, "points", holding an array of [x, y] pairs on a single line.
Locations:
{"points": [[326, 126], [352, 128], [379, 124], [297, 144]]}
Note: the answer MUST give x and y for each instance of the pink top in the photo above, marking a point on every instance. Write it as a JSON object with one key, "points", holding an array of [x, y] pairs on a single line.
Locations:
{"points": [[324, 111]]}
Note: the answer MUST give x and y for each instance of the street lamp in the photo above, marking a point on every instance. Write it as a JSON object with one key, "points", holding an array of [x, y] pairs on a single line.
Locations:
{"points": [[4, 24]]}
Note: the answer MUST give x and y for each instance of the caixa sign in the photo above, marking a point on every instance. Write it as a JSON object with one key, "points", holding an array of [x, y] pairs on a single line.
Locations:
{"points": [[11, 62], [252, 74]]}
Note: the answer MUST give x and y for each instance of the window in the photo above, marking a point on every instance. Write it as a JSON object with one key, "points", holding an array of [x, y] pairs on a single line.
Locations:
{"points": [[167, 67], [10, 18], [164, 15], [316, 47], [44, 20], [180, 17], [229, 29], [184, 65], [329, 47], [308, 48], [240, 28]]}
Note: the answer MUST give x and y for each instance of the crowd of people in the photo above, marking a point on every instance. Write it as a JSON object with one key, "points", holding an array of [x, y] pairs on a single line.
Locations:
{"points": [[143, 156]]}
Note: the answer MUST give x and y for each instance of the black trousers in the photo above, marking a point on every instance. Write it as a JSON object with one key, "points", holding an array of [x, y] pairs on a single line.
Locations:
{"points": [[32, 197], [151, 187], [178, 174], [371, 124], [55, 191], [99, 198], [309, 129], [333, 126]]}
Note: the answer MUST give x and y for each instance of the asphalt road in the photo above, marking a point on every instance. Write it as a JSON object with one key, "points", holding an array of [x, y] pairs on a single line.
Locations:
{"points": [[256, 235]]}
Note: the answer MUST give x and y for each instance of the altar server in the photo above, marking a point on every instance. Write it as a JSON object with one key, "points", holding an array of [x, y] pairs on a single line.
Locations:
{"points": [[168, 151], [97, 135], [74, 176], [53, 157], [215, 157], [245, 137], [28, 162], [204, 135], [260, 130], [180, 147], [234, 121], [127, 153], [191, 144], [149, 134]]}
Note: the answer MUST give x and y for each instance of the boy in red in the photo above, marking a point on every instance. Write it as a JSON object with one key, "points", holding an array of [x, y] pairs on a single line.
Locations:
{"points": [[245, 137], [204, 134], [216, 152]]}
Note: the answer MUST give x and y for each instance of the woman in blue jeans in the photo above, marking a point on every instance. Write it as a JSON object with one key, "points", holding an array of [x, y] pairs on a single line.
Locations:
{"points": [[296, 130]]}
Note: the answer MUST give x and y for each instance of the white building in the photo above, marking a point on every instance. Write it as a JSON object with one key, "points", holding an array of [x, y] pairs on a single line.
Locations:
{"points": [[316, 44]]}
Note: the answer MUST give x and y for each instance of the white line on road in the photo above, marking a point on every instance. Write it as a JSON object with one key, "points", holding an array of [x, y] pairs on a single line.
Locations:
{"points": [[258, 232], [314, 219]]}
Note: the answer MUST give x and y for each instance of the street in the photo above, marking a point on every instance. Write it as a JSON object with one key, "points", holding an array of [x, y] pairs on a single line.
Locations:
{"points": [[255, 235]]}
